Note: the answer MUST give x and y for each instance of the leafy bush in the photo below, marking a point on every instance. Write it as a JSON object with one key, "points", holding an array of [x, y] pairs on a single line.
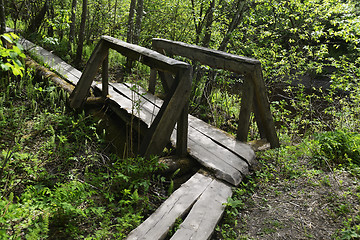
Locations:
{"points": [[11, 57], [338, 147]]}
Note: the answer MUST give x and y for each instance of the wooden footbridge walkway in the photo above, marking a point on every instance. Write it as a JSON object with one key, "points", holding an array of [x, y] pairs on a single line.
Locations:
{"points": [[201, 199]]}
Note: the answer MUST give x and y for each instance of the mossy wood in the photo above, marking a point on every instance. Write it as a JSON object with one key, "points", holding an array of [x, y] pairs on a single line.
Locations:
{"points": [[175, 105], [254, 94]]}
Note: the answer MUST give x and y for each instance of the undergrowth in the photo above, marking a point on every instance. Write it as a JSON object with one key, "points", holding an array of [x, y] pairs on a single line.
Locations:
{"points": [[56, 181]]}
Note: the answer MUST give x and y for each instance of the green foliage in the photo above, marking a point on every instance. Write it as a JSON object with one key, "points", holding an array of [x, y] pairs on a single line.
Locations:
{"points": [[338, 147], [56, 182], [11, 58]]}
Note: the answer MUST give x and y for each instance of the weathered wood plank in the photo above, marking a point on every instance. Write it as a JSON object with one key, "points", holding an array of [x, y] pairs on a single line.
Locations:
{"points": [[105, 76], [245, 110], [60, 67], [170, 111], [205, 153], [178, 204], [205, 214], [146, 56], [213, 58], [83, 86], [131, 103], [224, 139], [263, 107]]}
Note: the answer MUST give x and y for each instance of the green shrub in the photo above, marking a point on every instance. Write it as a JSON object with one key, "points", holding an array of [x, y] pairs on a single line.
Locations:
{"points": [[338, 147]]}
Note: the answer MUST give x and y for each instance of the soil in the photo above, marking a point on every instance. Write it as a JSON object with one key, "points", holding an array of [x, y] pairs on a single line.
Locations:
{"points": [[313, 206]]}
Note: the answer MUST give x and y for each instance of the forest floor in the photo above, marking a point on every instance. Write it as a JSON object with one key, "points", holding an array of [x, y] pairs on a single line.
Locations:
{"points": [[287, 197]]}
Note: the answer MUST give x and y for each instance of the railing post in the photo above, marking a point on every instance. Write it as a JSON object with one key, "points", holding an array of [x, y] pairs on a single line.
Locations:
{"points": [[246, 109], [152, 81], [182, 132], [105, 76]]}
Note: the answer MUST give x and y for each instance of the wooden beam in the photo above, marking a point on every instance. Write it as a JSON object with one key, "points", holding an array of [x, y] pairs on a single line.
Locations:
{"points": [[205, 214], [263, 108], [146, 56], [210, 57], [82, 88], [164, 123], [105, 76], [177, 205], [152, 81], [246, 109]]}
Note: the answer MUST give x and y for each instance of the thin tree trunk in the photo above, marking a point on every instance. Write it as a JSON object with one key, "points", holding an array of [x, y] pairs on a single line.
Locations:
{"points": [[115, 13], [81, 34], [2, 17], [51, 14], [36, 22], [209, 21], [139, 15], [73, 21], [241, 7], [130, 29]]}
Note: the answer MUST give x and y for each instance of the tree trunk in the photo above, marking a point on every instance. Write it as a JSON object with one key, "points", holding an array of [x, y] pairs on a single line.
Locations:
{"points": [[73, 21], [115, 13], [2, 17], [81, 34], [209, 21], [130, 29], [36, 22], [51, 15], [139, 15], [241, 7]]}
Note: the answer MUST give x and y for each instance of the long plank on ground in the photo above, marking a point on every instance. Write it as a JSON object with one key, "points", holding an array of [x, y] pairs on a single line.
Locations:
{"points": [[177, 205], [205, 214], [62, 68]]}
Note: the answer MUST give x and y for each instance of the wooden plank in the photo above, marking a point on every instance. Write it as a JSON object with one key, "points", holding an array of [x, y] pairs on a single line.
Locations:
{"points": [[205, 214], [170, 111], [65, 70], [245, 110], [152, 81], [141, 103], [82, 87], [263, 107], [210, 57], [208, 154], [177, 205], [105, 76], [130, 104], [146, 56], [220, 137], [224, 139]]}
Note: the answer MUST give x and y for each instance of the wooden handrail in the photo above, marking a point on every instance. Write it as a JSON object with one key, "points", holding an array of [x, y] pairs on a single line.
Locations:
{"points": [[254, 94], [175, 105]]}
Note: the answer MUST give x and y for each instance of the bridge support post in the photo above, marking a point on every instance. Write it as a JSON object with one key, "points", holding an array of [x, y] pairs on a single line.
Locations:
{"points": [[105, 76]]}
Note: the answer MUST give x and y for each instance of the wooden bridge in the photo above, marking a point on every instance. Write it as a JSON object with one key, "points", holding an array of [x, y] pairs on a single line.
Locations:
{"points": [[201, 199]]}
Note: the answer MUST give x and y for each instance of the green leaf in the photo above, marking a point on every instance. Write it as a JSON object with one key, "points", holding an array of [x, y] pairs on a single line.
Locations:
{"points": [[7, 38]]}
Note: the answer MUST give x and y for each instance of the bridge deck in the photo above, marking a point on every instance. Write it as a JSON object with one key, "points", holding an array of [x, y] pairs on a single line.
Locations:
{"points": [[201, 198], [211, 147]]}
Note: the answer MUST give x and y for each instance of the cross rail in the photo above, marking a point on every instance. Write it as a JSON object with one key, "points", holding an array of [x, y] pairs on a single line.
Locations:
{"points": [[254, 90], [173, 111]]}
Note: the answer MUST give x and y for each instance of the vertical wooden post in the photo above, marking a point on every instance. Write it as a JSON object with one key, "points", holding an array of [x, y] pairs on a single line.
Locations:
{"points": [[182, 132], [246, 108], [262, 109], [152, 81], [82, 88], [105, 76]]}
